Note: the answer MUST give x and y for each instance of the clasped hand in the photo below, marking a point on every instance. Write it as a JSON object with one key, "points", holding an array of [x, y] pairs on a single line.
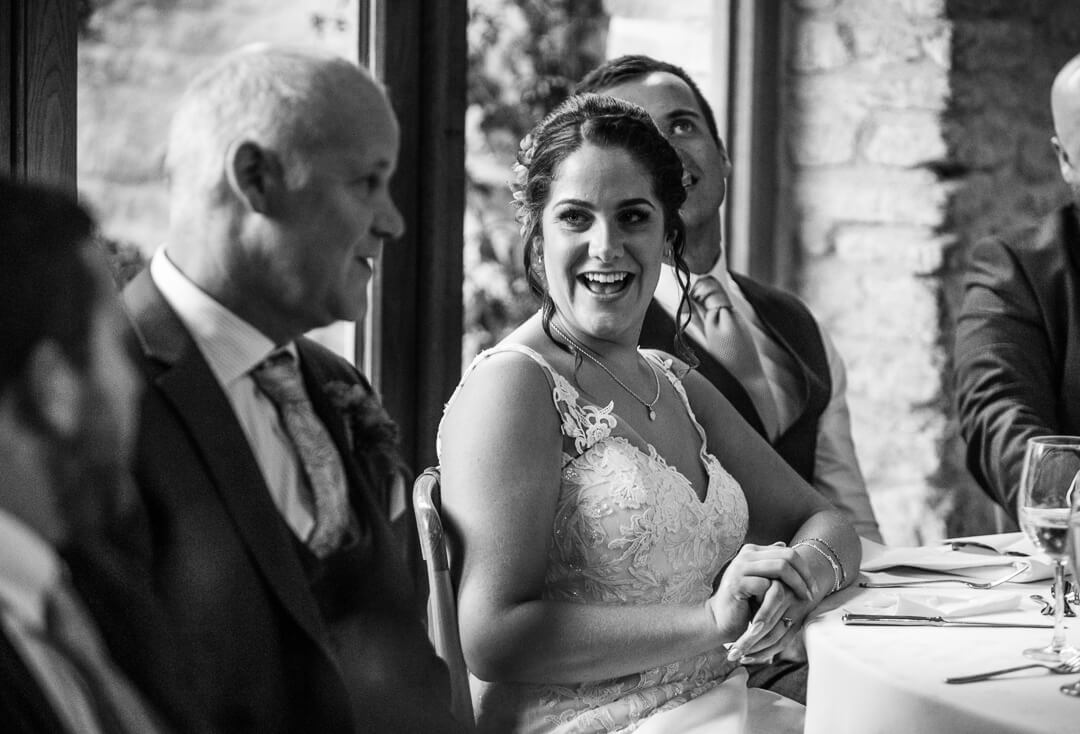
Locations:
{"points": [[764, 596]]}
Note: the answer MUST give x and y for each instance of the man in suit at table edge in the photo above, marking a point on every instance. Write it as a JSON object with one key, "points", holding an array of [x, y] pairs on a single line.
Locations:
{"points": [[759, 345], [68, 400], [260, 526], [1017, 350]]}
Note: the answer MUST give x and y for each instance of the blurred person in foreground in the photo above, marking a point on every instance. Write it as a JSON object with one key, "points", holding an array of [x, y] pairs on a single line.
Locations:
{"points": [[597, 489], [1017, 352], [759, 345], [260, 453], [68, 401]]}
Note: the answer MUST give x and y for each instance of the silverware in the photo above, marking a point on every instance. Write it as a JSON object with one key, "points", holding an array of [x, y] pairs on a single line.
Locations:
{"points": [[1048, 605], [968, 544], [913, 620], [1072, 593], [1020, 568], [1072, 665]]}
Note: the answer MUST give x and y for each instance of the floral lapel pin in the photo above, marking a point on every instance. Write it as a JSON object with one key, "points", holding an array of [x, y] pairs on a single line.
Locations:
{"points": [[369, 428]]}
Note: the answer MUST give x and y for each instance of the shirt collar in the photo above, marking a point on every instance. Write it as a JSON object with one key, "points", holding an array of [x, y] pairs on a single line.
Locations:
{"points": [[29, 568], [231, 346]]}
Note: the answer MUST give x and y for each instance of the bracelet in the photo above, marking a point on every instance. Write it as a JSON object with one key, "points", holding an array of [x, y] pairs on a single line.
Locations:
{"points": [[831, 557]]}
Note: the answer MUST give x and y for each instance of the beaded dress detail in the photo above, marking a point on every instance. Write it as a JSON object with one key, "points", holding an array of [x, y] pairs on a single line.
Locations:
{"points": [[628, 529]]}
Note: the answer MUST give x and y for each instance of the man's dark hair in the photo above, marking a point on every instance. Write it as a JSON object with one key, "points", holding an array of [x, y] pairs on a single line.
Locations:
{"points": [[628, 68], [47, 287]]}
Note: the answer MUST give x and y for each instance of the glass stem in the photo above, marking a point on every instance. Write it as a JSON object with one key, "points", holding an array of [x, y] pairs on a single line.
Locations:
{"points": [[1058, 642]]}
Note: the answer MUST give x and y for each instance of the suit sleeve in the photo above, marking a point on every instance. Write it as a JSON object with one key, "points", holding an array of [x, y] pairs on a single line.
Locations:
{"points": [[1004, 370]]}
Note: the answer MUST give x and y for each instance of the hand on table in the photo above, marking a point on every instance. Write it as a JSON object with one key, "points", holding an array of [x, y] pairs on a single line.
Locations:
{"points": [[764, 596]]}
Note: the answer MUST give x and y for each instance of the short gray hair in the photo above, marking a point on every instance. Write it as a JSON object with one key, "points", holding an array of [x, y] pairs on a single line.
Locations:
{"points": [[282, 98]]}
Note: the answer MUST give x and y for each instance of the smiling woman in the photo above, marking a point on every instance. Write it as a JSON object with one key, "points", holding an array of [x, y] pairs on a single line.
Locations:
{"points": [[603, 234], [615, 199], [598, 489]]}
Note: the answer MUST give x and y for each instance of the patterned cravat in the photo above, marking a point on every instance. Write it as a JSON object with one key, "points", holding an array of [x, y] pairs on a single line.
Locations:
{"points": [[730, 341], [279, 377], [117, 707]]}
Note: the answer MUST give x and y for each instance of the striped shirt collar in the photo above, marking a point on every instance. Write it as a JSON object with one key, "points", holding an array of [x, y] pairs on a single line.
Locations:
{"points": [[230, 345]]}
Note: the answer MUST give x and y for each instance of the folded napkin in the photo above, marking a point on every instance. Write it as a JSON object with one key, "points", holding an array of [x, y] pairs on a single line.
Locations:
{"points": [[978, 564], [933, 605]]}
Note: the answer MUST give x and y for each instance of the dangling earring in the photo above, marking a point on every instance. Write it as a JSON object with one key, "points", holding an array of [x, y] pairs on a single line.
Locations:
{"points": [[538, 265]]}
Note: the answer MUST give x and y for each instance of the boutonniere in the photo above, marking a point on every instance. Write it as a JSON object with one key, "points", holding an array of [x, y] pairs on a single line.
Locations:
{"points": [[370, 430]]}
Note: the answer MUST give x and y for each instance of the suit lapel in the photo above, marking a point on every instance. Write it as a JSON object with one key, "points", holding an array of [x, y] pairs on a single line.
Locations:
{"points": [[23, 704], [186, 382], [770, 319]]}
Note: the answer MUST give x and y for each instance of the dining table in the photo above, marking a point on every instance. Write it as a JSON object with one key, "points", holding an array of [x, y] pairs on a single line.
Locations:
{"points": [[890, 678]]}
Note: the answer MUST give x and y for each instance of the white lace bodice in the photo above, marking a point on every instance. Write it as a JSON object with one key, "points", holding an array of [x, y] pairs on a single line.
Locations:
{"points": [[628, 529]]}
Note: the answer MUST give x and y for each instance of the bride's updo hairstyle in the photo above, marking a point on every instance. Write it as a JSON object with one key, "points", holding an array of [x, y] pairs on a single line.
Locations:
{"points": [[605, 122]]}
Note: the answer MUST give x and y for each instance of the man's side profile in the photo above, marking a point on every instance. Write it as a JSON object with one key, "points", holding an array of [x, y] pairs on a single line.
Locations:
{"points": [[759, 345], [1017, 353], [68, 399], [256, 478]]}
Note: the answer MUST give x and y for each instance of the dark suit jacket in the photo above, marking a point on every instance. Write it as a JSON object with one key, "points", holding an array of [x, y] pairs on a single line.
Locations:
{"points": [[1018, 348], [791, 324], [262, 653], [121, 599], [24, 707]]}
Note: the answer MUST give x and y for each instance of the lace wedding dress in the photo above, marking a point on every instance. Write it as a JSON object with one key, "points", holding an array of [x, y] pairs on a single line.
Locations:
{"points": [[630, 529]]}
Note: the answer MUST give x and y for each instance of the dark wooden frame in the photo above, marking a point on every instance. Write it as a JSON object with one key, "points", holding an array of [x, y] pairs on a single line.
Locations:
{"points": [[412, 345], [753, 123], [421, 56], [38, 81]]}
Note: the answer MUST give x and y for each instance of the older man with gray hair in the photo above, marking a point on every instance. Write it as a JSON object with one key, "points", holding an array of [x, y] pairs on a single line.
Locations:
{"points": [[256, 463], [1018, 333]]}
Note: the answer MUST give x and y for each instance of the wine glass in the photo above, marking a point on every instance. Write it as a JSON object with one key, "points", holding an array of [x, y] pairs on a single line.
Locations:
{"points": [[1073, 689], [1051, 464]]}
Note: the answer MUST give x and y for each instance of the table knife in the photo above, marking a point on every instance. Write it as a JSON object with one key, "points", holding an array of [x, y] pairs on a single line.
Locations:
{"points": [[911, 620]]}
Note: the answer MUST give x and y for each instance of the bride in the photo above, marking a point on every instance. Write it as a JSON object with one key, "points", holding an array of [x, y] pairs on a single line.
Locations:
{"points": [[626, 541]]}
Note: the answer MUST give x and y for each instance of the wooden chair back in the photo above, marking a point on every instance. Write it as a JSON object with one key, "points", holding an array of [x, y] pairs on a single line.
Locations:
{"points": [[442, 600]]}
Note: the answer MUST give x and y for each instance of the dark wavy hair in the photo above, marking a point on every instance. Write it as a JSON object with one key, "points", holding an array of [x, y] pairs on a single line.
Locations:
{"points": [[47, 288], [605, 122]]}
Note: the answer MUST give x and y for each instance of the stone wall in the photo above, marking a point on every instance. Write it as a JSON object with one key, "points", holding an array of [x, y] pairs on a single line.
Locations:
{"points": [[909, 128], [867, 82]]}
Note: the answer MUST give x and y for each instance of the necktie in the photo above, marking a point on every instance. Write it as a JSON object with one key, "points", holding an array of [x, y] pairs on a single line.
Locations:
{"points": [[117, 707], [729, 339], [279, 377]]}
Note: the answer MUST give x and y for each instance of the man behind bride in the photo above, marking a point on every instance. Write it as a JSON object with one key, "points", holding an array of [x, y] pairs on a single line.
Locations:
{"points": [[259, 523]]}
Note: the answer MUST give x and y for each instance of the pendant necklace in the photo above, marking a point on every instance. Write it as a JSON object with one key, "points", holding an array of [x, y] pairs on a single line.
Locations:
{"points": [[584, 351]]}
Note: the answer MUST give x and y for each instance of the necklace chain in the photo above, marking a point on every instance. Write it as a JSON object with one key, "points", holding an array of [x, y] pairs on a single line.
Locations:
{"points": [[587, 353]]}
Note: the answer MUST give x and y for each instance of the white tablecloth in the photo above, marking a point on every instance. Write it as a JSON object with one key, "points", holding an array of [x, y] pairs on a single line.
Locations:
{"points": [[890, 680]]}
